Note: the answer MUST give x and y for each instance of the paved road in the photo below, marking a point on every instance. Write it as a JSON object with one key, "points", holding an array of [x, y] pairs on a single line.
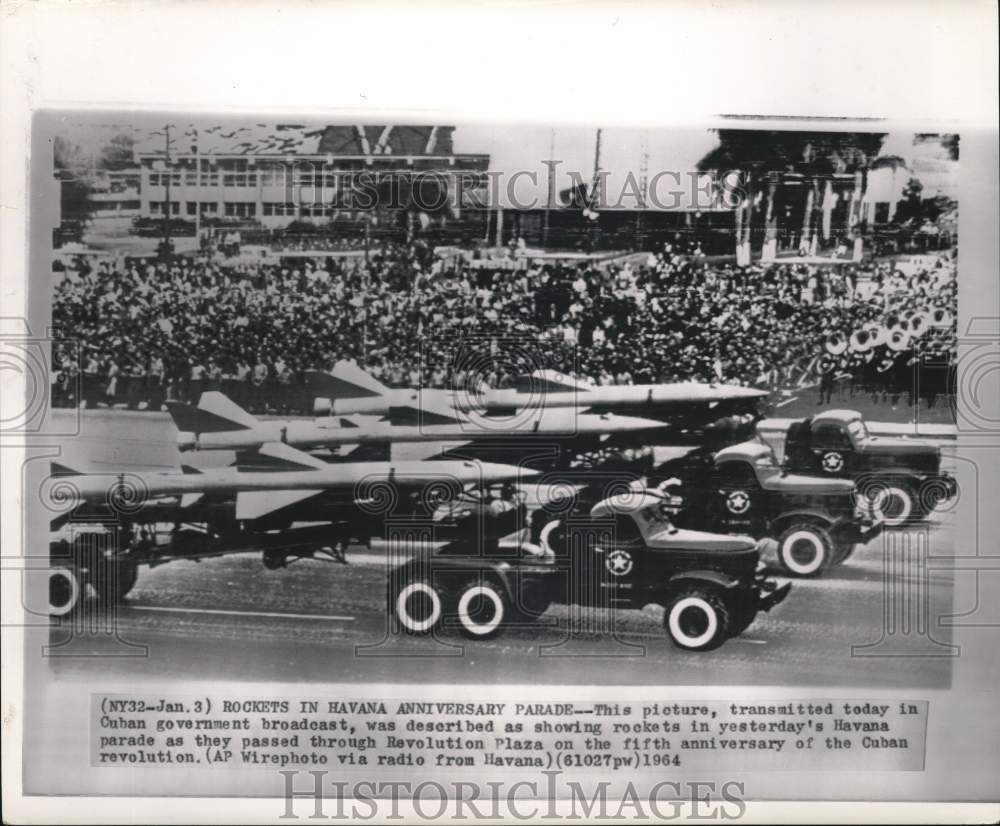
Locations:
{"points": [[229, 618]]}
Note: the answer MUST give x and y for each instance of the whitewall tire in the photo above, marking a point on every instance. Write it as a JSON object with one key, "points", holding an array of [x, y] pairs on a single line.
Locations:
{"points": [[696, 620], [804, 550], [418, 607], [65, 590], [895, 504], [482, 610]]}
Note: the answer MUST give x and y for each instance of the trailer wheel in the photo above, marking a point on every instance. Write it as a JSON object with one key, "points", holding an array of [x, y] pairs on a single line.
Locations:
{"points": [[697, 620], [114, 579], [418, 606], [896, 503], [805, 549], [65, 589], [483, 607]]}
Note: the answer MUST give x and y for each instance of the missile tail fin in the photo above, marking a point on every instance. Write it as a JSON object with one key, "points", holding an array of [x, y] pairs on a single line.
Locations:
{"points": [[280, 455], [220, 405], [258, 503], [345, 381], [215, 413], [416, 416]]}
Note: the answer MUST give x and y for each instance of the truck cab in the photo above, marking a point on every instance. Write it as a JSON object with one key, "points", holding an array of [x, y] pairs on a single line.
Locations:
{"points": [[817, 522], [901, 477]]}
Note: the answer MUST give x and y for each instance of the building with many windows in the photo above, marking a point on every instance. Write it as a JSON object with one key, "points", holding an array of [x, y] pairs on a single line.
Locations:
{"points": [[285, 173]]}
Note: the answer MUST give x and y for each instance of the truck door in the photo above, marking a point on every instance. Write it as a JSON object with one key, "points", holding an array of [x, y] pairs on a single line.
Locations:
{"points": [[832, 453], [618, 555], [735, 501]]}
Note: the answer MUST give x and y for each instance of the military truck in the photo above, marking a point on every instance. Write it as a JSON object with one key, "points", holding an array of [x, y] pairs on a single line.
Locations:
{"points": [[623, 553], [901, 477], [817, 522]]}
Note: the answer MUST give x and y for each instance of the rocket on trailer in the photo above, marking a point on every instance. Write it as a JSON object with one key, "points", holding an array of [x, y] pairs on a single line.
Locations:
{"points": [[348, 389], [279, 500], [275, 476], [218, 423]]}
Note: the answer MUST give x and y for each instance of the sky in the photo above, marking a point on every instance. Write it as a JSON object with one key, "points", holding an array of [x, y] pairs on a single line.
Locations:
{"points": [[518, 148]]}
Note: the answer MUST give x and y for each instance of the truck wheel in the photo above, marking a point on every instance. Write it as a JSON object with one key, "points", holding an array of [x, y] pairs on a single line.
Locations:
{"points": [[418, 606], [114, 580], [896, 503], [65, 589], [482, 609], [697, 620], [804, 550]]}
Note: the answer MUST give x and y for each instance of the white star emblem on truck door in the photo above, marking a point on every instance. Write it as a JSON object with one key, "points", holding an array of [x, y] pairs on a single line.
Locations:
{"points": [[619, 562], [738, 501], [832, 461]]}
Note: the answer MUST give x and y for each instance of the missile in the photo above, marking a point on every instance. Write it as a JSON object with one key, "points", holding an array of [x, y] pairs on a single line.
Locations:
{"points": [[350, 390], [296, 476], [548, 388], [218, 423]]}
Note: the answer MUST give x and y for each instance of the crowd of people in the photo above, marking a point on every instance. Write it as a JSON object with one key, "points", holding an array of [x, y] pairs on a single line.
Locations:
{"points": [[140, 332]]}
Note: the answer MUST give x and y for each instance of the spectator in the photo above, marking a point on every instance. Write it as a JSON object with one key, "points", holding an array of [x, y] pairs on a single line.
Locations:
{"points": [[258, 328]]}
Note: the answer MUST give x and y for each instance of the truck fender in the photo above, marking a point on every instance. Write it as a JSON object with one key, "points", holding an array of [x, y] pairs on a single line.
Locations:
{"points": [[713, 578], [448, 569], [779, 524]]}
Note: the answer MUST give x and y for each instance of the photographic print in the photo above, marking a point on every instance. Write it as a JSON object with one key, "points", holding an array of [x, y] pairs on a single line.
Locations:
{"points": [[627, 457]]}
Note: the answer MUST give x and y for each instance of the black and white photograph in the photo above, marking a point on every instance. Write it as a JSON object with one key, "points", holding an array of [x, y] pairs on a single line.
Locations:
{"points": [[701, 402], [598, 466]]}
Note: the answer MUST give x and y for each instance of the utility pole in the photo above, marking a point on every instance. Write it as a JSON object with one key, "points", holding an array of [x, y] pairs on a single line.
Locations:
{"points": [[596, 192], [197, 185], [550, 187], [643, 190], [591, 211], [166, 205]]}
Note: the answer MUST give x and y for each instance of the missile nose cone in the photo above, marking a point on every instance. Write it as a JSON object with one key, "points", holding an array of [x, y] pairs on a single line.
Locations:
{"points": [[622, 424], [494, 472], [737, 391]]}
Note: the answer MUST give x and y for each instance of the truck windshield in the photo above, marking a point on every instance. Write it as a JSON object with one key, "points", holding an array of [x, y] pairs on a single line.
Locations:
{"points": [[857, 430]]}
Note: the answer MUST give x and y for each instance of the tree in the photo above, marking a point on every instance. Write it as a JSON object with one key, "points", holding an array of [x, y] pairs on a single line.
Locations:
{"points": [[910, 205], [118, 153], [949, 141], [75, 181]]}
